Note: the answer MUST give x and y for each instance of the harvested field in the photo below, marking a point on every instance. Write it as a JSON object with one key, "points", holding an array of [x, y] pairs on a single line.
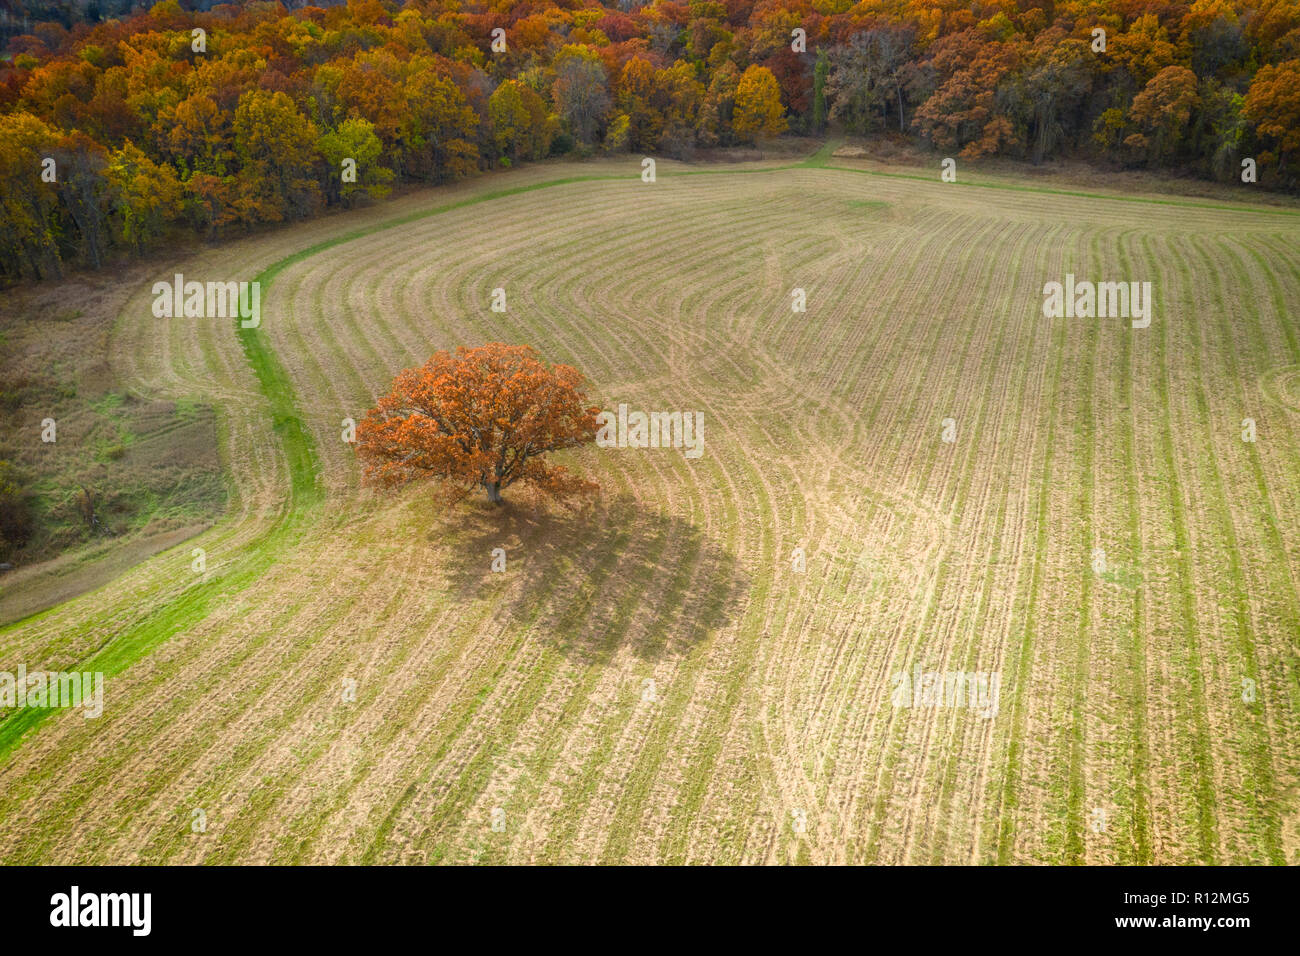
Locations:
{"points": [[652, 680]]}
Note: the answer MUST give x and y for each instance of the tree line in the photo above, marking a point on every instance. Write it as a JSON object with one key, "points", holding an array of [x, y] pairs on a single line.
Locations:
{"points": [[114, 135]]}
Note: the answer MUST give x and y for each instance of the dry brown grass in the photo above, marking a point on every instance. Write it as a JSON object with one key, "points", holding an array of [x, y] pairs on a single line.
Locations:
{"points": [[527, 691]]}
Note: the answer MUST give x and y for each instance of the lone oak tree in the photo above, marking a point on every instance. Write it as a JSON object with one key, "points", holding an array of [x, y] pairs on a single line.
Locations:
{"points": [[483, 417]]}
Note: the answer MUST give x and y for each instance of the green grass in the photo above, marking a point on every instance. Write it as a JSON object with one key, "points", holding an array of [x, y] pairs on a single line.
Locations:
{"points": [[1010, 796], [197, 601], [1202, 783]]}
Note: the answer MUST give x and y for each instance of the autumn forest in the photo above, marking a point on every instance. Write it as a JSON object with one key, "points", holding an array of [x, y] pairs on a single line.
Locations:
{"points": [[117, 134]]}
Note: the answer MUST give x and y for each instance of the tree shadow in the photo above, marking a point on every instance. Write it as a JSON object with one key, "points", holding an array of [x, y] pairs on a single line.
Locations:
{"points": [[591, 581]]}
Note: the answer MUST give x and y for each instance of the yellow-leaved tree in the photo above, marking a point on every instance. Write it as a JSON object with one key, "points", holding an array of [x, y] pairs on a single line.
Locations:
{"points": [[759, 113]]}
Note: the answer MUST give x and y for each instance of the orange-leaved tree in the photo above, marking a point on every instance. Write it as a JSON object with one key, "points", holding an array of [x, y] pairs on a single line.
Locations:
{"points": [[482, 418]]}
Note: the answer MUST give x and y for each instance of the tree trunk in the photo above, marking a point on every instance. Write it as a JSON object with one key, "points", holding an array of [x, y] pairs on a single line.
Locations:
{"points": [[493, 491]]}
